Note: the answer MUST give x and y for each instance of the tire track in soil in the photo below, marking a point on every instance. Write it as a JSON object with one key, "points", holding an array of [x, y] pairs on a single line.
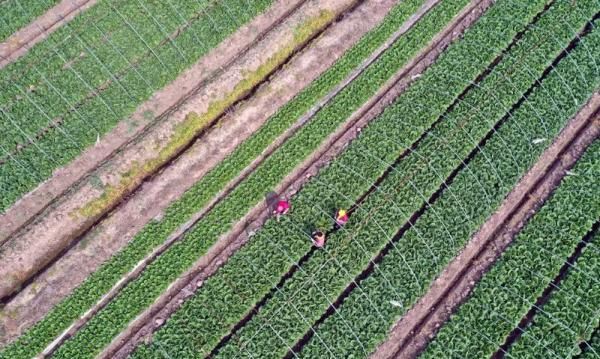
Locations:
{"points": [[89, 227], [188, 283], [528, 318], [19, 43], [174, 238], [33, 205], [418, 326]]}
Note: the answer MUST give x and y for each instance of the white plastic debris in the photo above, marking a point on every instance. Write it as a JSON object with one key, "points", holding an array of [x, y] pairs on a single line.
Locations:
{"points": [[569, 173], [395, 303], [538, 141]]}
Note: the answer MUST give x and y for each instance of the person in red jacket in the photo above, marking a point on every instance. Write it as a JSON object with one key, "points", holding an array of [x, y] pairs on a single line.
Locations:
{"points": [[282, 207]]}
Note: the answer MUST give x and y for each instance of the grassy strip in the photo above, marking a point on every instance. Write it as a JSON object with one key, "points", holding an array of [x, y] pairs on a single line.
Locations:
{"points": [[155, 279], [78, 58], [303, 299], [194, 124], [236, 287], [506, 292], [16, 14], [573, 311], [198, 196]]}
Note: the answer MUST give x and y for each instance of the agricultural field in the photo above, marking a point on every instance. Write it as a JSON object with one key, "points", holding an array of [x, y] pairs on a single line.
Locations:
{"points": [[300, 179]]}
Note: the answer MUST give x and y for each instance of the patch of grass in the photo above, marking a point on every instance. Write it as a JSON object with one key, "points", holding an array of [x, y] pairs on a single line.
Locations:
{"points": [[96, 182], [194, 124]]}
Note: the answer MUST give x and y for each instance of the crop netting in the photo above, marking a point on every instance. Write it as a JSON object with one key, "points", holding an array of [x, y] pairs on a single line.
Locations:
{"points": [[93, 72], [472, 156], [460, 152]]}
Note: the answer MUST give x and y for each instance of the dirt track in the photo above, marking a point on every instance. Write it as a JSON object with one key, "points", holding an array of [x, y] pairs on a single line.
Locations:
{"points": [[116, 230], [186, 285], [419, 325]]}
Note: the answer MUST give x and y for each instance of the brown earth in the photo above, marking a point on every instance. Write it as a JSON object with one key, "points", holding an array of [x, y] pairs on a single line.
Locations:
{"points": [[19, 43], [418, 326], [55, 230], [155, 316], [152, 113], [115, 231]]}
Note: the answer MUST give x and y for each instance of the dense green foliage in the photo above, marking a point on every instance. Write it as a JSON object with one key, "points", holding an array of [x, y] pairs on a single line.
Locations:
{"points": [[512, 285], [573, 310], [19, 13], [155, 279], [593, 349], [94, 71], [302, 300], [198, 196], [196, 323]]}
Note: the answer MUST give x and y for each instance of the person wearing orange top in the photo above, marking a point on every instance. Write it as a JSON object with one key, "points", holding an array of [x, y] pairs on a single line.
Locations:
{"points": [[341, 217]]}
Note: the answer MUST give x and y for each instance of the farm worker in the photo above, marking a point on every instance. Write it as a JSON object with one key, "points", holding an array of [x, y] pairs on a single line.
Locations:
{"points": [[341, 217], [318, 239], [282, 207]]}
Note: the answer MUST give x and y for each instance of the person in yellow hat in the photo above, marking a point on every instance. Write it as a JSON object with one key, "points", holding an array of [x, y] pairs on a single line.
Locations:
{"points": [[341, 217]]}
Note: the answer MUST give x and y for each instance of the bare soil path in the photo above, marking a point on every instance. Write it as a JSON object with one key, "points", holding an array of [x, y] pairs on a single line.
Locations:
{"points": [[39, 29], [116, 230], [31, 249], [146, 118], [155, 316], [420, 324]]}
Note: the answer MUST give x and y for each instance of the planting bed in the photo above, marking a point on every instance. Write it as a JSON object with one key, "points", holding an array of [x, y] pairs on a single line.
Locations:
{"points": [[16, 14], [460, 135], [91, 68], [526, 269]]}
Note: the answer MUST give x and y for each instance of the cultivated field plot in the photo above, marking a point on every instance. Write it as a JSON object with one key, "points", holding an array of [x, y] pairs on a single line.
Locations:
{"points": [[300, 179]]}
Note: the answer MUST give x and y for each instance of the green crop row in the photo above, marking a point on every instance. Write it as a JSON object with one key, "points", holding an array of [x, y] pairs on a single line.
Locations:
{"points": [[140, 293], [16, 14], [236, 287], [406, 272], [198, 196], [573, 310], [507, 291], [302, 300], [119, 43]]}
